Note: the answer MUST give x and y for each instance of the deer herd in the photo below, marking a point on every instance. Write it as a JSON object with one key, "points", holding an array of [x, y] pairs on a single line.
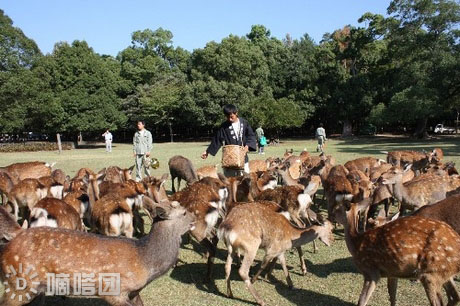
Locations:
{"points": [[57, 224]]}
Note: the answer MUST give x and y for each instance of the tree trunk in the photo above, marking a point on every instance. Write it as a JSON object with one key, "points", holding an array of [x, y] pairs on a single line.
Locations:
{"points": [[347, 128], [171, 132], [420, 131], [456, 122]]}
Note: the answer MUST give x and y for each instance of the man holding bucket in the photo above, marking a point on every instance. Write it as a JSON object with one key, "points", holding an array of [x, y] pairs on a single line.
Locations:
{"points": [[236, 135]]}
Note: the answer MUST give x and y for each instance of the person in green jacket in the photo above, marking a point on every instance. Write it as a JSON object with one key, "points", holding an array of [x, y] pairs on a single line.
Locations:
{"points": [[260, 144], [142, 145]]}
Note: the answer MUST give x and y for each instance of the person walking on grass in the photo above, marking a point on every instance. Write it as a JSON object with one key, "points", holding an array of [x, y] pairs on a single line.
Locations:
{"points": [[261, 140], [234, 131], [320, 135], [108, 141], [142, 145]]}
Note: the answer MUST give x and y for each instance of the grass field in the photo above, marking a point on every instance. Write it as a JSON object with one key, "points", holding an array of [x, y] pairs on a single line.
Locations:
{"points": [[332, 277]]}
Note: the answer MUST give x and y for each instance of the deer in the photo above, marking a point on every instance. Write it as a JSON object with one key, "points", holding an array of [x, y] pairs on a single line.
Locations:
{"points": [[447, 210], [410, 247], [251, 226], [112, 214], [207, 171], [116, 174], [56, 250], [55, 213], [419, 192], [25, 195], [257, 165], [183, 169], [6, 184], [363, 164], [21, 171]]}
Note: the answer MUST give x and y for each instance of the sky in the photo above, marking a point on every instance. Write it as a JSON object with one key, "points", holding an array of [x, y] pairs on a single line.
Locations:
{"points": [[107, 25]]}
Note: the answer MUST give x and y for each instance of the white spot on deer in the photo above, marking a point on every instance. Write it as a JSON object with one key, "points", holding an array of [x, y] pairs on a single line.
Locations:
{"points": [[304, 201], [270, 185], [211, 219], [16, 258], [130, 202]]}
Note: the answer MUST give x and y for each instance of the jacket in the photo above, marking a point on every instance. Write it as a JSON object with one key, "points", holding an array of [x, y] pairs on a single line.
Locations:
{"points": [[226, 136], [142, 144]]}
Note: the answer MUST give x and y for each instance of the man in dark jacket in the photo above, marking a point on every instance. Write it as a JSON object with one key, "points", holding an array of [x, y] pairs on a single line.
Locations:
{"points": [[234, 131]]}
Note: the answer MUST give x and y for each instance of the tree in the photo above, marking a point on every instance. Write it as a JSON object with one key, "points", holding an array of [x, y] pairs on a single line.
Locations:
{"points": [[85, 86], [423, 45], [16, 49]]}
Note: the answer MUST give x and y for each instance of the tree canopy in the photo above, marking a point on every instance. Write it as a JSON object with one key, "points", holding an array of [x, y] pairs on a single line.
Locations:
{"points": [[397, 71]]}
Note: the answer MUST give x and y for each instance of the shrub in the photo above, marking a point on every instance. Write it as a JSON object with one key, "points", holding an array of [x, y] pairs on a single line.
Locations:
{"points": [[32, 147]]}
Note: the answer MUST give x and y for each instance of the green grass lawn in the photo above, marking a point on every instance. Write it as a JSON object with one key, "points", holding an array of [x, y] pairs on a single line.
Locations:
{"points": [[332, 277]]}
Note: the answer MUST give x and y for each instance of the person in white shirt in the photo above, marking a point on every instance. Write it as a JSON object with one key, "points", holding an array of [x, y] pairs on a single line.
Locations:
{"points": [[108, 141], [320, 135]]}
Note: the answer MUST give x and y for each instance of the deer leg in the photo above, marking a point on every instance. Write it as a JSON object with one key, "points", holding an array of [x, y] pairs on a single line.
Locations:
{"points": [[211, 247], [270, 268], [266, 261], [392, 285], [285, 270], [452, 293], [386, 203], [178, 183], [302, 261], [172, 181], [136, 300], [431, 291], [368, 289], [244, 274], [228, 270]]}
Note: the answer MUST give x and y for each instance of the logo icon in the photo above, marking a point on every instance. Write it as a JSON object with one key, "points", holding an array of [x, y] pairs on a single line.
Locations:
{"points": [[22, 281]]}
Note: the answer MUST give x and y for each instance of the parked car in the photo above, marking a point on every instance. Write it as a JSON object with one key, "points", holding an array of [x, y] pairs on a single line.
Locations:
{"points": [[441, 129]]}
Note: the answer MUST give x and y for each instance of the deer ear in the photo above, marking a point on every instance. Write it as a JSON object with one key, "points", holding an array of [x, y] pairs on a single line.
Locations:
{"points": [[131, 169], [396, 216], [161, 212]]}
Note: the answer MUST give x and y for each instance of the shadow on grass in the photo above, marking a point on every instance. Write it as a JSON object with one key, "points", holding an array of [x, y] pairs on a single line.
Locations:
{"points": [[193, 274], [70, 301], [307, 297], [380, 144]]}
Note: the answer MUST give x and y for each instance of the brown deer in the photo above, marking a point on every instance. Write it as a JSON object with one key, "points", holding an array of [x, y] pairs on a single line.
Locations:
{"points": [[21, 171], [363, 164], [55, 213], [182, 169], [418, 192], [251, 226], [6, 184], [207, 171], [447, 210], [25, 195], [258, 165], [61, 251], [411, 247]]}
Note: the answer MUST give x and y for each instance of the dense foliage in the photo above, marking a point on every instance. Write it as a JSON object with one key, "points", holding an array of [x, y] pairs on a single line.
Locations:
{"points": [[397, 71]]}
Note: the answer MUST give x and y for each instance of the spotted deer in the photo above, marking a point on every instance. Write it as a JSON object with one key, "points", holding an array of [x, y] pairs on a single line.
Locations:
{"points": [[411, 247], [417, 192], [207, 171], [61, 251], [55, 213], [21, 171], [251, 226]]}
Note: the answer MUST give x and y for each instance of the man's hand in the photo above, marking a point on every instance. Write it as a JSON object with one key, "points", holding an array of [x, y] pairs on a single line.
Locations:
{"points": [[204, 155], [147, 154]]}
